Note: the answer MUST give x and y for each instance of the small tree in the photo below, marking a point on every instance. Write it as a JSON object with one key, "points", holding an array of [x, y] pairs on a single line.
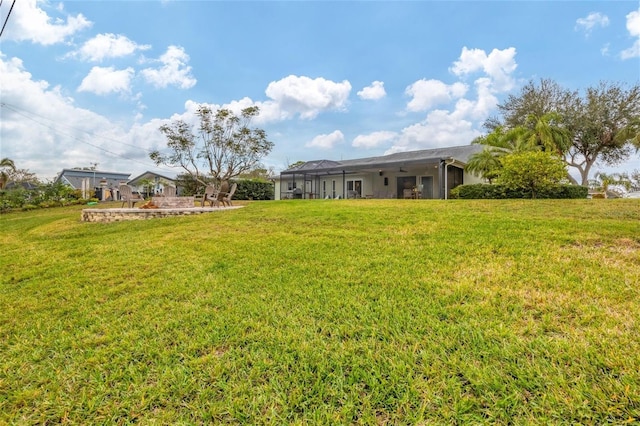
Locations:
{"points": [[226, 145], [532, 171], [610, 182], [147, 187]]}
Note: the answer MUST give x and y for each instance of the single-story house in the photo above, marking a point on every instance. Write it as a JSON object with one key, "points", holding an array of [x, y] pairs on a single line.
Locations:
{"points": [[93, 180], [427, 174], [151, 183]]}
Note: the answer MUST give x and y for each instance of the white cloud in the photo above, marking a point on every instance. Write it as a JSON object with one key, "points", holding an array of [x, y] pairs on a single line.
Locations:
{"points": [[439, 129], [470, 61], [294, 96], [56, 134], [306, 97], [374, 139], [499, 65], [480, 108], [174, 70], [426, 94], [326, 141], [633, 26], [373, 92], [103, 81], [458, 126], [107, 46], [28, 22], [593, 20]]}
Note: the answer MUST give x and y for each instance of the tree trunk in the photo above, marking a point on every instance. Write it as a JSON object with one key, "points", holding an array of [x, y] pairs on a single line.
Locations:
{"points": [[585, 173]]}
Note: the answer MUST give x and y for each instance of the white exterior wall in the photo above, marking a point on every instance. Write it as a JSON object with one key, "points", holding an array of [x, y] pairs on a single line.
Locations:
{"points": [[470, 179], [373, 183]]}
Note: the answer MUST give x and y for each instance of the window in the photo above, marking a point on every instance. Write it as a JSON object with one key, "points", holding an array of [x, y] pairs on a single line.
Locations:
{"points": [[291, 186]]}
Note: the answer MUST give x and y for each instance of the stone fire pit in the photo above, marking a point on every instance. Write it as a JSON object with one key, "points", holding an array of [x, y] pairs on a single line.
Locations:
{"points": [[164, 207]]}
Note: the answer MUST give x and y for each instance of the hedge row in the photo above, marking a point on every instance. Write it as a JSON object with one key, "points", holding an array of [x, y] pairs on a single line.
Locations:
{"points": [[253, 190], [488, 191]]}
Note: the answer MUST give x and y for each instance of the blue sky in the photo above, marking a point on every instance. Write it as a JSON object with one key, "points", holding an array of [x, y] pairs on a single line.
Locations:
{"points": [[88, 82]]}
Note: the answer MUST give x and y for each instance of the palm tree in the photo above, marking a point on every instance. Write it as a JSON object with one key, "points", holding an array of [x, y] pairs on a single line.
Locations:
{"points": [[486, 163], [604, 181], [508, 141], [6, 164], [546, 131]]}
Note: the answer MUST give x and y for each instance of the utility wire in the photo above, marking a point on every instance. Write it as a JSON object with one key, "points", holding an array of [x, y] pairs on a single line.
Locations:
{"points": [[17, 110], [7, 18], [62, 133]]}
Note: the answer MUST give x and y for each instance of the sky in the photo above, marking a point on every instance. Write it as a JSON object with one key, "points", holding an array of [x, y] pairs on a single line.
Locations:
{"points": [[89, 83]]}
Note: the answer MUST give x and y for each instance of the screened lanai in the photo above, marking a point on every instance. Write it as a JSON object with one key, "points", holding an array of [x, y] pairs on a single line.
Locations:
{"points": [[423, 174]]}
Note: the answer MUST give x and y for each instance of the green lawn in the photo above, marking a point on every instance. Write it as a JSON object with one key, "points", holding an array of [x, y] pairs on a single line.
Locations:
{"points": [[325, 312]]}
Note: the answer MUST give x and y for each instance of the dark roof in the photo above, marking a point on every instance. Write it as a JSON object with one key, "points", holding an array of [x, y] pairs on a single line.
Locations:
{"points": [[458, 153], [74, 177], [23, 185]]}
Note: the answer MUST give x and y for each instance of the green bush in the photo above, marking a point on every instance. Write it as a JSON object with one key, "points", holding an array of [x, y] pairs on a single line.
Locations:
{"points": [[14, 198], [536, 172], [46, 195], [254, 189], [488, 191]]}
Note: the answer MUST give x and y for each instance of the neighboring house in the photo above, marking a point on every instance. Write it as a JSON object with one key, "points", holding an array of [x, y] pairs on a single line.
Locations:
{"points": [[93, 180], [151, 183], [28, 186], [430, 173]]}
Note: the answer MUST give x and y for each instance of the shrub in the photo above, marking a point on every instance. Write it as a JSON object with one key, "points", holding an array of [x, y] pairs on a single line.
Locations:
{"points": [[487, 191], [254, 189], [533, 171]]}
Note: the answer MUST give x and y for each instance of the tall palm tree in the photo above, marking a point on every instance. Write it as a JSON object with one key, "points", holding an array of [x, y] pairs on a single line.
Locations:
{"points": [[6, 164]]}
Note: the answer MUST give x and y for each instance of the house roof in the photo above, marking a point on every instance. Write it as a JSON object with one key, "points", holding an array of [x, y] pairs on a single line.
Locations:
{"points": [[74, 177], [459, 153], [149, 175]]}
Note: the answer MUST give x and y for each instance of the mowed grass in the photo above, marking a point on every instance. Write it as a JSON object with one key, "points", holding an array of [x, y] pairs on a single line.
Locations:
{"points": [[325, 312]]}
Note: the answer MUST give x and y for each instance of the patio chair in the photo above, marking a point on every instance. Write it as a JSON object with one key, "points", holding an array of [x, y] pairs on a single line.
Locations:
{"points": [[210, 196], [127, 196], [224, 197]]}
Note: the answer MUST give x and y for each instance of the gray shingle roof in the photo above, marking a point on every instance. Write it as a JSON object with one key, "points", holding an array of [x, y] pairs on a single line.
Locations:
{"points": [[459, 153], [74, 177]]}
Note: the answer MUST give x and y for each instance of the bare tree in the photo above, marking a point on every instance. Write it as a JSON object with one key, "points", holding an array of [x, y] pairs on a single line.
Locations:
{"points": [[225, 145]]}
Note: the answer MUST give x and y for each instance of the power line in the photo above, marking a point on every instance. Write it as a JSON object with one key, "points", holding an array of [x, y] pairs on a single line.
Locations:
{"points": [[7, 18], [17, 110], [62, 133]]}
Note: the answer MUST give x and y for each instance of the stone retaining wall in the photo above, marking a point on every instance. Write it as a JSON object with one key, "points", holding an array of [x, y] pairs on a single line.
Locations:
{"points": [[173, 202], [117, 215]]}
